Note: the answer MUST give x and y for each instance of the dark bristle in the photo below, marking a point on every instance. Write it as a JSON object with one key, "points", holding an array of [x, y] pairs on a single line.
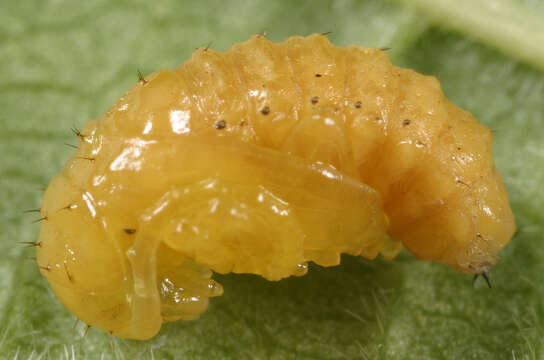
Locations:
{"points": [[326, 33], [77, 133], [40, 220], [45, 268], [68, 207], [485, 275], [141, 78], [70, 145], [459, 181], [91, 159], [30, 243], [112, 345], [32, 211], [208, 46], [86, 330], [68, 273], [385, 48]]}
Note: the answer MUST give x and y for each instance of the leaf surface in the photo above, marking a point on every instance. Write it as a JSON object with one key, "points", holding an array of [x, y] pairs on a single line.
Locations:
{"points": [[64, 62]]}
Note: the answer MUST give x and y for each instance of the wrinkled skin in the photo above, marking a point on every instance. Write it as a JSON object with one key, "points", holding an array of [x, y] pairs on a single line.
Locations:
{"points": [[258, 160]]}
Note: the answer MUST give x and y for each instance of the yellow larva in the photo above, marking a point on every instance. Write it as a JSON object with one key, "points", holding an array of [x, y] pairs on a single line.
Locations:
{"points": [[258, 160]]}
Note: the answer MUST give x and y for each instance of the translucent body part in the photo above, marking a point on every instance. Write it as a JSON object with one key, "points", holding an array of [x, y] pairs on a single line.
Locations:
{"points": [[258, 160]]}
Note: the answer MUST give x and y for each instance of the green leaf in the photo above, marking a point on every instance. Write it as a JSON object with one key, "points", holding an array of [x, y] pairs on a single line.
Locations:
{"points": [[64, 62], [511, 26]]}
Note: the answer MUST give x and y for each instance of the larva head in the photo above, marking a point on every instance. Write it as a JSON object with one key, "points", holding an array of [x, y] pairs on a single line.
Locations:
{"points": [[108, 274], [85, 269]]}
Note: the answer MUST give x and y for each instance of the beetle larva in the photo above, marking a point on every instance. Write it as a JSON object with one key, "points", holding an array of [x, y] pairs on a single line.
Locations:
{"points": [[258, 160]]}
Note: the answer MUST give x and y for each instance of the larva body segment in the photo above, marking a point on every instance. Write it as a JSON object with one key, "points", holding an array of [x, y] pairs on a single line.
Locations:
{"points": [[258, 160]]}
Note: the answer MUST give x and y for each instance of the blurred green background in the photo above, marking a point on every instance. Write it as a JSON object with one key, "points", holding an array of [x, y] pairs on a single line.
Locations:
{"points": [[63, 62]]}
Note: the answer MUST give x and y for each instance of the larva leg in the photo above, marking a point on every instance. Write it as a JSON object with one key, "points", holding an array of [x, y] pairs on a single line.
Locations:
{"points": [[244, 209], [314, 200], [184, 286], [167, 285], [145, 305], [226, 226]]}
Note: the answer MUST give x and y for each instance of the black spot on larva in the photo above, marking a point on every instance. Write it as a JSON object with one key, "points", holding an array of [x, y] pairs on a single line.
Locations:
{"points": [[406, 122], [458, 148], [129, 231], [221, 124], [315, 100], [265, 110], [318, 75], [358, 105]]}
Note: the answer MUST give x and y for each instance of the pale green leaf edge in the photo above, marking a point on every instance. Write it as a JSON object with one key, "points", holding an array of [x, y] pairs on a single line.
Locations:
{"points": [[504, 24]]}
